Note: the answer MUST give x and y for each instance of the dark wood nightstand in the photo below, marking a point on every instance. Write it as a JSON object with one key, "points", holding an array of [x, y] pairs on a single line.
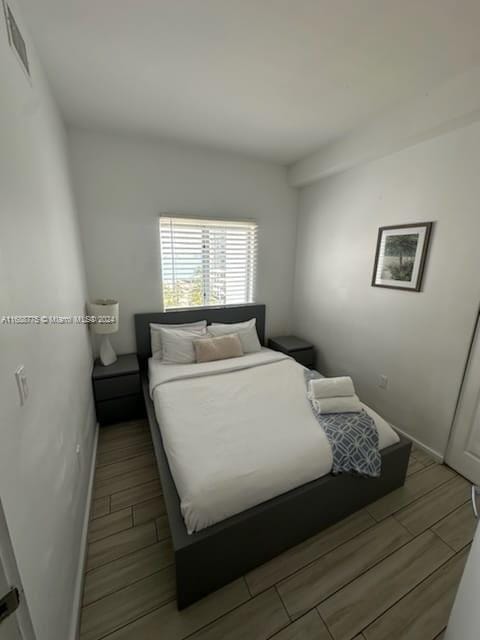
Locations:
{"points": [[117, 390], [301, 350]]}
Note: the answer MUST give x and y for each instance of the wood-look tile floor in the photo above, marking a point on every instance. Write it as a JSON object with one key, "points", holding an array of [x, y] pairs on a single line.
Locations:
{"points": [[389, 571]]}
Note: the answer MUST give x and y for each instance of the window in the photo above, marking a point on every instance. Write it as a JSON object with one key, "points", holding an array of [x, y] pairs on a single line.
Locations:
{"points": [[207, 262]]}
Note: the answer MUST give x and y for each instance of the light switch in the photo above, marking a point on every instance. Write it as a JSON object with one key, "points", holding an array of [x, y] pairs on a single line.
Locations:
{"points": [[22, 384]]}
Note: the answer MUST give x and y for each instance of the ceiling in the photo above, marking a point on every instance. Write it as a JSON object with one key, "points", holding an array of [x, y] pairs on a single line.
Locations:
{"points": [[271, 78]]}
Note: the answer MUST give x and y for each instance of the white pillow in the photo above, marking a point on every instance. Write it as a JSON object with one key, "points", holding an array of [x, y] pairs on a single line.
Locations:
{"points": [[156, 336], [177, 344], [247, 332]]}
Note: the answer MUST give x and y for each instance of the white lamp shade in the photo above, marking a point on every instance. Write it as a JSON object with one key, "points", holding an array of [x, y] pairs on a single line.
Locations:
{"points": [[101, 308]]}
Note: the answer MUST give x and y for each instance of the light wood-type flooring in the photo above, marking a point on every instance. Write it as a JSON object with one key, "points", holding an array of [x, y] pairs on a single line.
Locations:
{"points": [[388, 572]]}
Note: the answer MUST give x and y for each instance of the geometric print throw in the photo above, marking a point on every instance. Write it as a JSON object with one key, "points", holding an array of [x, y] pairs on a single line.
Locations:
{"points": [[353, 438]]}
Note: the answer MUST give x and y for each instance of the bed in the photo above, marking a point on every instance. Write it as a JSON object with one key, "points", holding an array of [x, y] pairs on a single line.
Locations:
{"points": [[237, 496]]}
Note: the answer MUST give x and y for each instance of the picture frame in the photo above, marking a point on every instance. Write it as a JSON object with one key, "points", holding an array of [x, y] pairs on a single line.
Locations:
{"points": [[400, 256]]}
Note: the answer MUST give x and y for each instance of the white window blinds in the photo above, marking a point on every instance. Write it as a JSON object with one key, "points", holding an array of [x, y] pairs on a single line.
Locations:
{"points": [[207, 262]]}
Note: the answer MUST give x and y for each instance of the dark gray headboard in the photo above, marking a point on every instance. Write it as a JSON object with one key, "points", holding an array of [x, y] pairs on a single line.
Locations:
{"points": [[237, 313]]}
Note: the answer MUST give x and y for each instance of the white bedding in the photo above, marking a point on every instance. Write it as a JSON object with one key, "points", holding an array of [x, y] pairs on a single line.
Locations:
{"points": [[238, 432]]}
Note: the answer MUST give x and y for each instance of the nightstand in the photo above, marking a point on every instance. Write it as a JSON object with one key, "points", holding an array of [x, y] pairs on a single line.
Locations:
{"points": [[117, 390], [301, 350]]}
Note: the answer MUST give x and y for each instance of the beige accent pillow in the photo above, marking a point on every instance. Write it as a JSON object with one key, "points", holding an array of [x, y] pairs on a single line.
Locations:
{"points": [[221, 348]]}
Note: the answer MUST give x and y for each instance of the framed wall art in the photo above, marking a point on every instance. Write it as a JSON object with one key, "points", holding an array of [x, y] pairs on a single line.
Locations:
{"points": [[401, 255]]}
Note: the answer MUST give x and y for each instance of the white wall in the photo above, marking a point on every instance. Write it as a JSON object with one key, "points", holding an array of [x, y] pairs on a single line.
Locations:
{"points": [[42, 481], [444, 108], [419, 340], [123, 183]]}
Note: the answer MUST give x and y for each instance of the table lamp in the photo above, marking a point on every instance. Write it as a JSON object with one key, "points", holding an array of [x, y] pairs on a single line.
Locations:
{"points": [[101, 309]]}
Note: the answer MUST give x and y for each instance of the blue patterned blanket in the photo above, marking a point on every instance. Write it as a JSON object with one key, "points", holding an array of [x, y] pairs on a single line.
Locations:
{"points": [[353, 438]]}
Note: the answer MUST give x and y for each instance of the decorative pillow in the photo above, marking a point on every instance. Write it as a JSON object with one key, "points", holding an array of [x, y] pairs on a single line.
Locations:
{"points": [[177, 344], [221, 348], [156, 336], [247, 332]]}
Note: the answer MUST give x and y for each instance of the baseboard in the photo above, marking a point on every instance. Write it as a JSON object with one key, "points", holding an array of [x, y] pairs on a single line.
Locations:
{"points": [[78, 594], [431, 452]]}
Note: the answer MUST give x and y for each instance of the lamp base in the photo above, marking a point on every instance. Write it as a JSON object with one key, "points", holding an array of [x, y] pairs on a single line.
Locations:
{"points": [[107, 354]]}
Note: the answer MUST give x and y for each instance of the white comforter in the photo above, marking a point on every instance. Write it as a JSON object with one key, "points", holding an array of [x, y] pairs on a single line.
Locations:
{"points": [[238, 432]]}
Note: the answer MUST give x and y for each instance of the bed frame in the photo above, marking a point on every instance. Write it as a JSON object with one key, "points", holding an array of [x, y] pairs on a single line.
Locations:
{"points": [[209, 559]]}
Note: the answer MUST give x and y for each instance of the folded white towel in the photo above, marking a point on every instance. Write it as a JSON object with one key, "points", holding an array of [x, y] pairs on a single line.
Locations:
{"points": [[331, 387], [340, 404]]}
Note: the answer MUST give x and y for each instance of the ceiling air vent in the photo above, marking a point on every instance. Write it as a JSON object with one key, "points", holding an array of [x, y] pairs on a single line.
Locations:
{"points": [[15, 38]]}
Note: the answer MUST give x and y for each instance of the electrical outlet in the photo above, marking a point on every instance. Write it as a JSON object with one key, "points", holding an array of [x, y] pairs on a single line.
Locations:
{"points": [[22, 384], [383, 382], [78, 449]]}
